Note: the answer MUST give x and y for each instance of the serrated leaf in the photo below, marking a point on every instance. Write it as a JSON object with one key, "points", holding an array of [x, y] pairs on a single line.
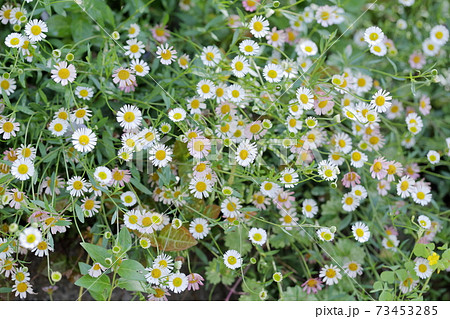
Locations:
{"points": [[170, 239]]}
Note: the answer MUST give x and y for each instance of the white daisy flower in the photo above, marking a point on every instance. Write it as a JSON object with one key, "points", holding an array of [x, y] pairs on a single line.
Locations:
{"points": [[129, 117], [305, 98], [246, 153], [16, 14], [160, 155], [330, 274], [424, 221], [273, 73], [5, 13], [133, 30], [310, 208], [64, 73], [361, 232], [210, 55], [328, 171], [379, 49], [270, 189], [128, 198], [140, 67], [196, 104], [14, 40], [183, 61], [22, 169], [257, 236], [307, 48], [325, 234], [353, 269], [58, 127], [131, 219], [289, 177], [230, 207], [363, 83], [422, 268], [103, 175], [391, 242], [81, 115], [164, 261], [373, 35], [177, 114], [421, 194], [96, 270], [343, 142], [166, 54], [206, 89], [381, 101], [405, 186], [22, 288], [236, 93], [430, 48], [294, 125], [90, 206], [200, 187], [433, 157], [35, 30], [30, 237], [240, 66], [259, 26], [7, 85], [439, 35], [232, 259], [199, 228], [134, 48], [349, 202], [249, 47], [84, 140], [77, 186], [178, 282], [84, 92], [359, 192], [156, 274]]}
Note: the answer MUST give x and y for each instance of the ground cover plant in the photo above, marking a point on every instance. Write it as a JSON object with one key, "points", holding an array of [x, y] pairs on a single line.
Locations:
{"points": [[224, 150]]}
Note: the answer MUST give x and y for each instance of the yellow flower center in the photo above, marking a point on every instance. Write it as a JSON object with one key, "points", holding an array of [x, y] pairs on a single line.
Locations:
{"points": [[353, 267], [331, 273], [5, 85], [84, 140], [359, 232], [166, 54], [22, 169], [160, 155], [134, 48], [258, 26], [64, 73], [231, 260], [89, 204], [77, 185], [123, 75], [36, 30], [199, 228], [200, 186]]}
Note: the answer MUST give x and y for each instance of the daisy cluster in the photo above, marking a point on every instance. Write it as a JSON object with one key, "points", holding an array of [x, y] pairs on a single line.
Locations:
{"points": [[289, 143]]}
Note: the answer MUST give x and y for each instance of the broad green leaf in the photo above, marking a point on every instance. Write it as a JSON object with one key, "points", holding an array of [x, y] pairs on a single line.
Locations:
{"points": [[388, 276], [97, 253], [170, 239], [99, 284], [385, 296], [131, 269], [124, 239], [132, 285], [84, 268]]}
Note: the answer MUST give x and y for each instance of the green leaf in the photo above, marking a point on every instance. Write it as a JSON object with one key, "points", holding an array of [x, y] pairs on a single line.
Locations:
{"points": [[132, 270], [296, 293], [124, 240], [98, 287], [140, 187], [170, 239], [132, 285], [402, 274], [238, 240], [420, 250], [377, 286], [385, 296], [84, 268], [97, 253], [388, 276], [5, 290], [79, 212]]}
